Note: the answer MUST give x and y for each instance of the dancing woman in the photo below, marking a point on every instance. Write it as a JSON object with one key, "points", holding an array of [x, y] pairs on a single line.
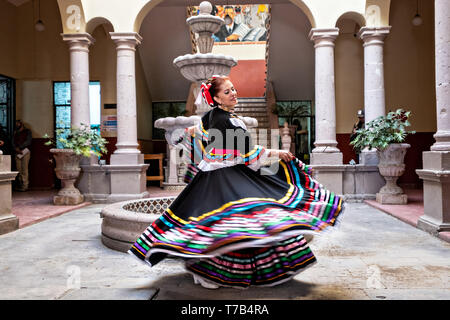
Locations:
{"points": [[236, 224]]}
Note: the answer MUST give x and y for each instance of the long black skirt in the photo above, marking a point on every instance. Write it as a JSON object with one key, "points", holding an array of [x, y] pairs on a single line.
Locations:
{"points": [[239, 227]]}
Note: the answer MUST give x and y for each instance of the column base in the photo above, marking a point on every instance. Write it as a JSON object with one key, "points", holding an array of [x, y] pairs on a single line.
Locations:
{"points": [[329, 170], [112, 183], [385, 198], [432, 226], [436, 191], [362, 182], [436, 160], [126, 158], [8, 223], [328, 158]]}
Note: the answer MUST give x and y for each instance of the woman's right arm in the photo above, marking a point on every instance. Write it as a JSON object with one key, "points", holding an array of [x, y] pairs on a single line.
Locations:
{"points": [[284, 155]]}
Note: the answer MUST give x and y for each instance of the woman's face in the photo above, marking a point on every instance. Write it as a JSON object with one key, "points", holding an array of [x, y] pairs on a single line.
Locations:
{"points": [[227, 95]]}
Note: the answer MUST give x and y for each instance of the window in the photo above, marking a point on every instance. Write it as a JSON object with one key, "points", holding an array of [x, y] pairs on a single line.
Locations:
{"points": [[62, 102], [163, 110]]}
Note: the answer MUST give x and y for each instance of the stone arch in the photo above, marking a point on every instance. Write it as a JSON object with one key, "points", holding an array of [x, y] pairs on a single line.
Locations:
{"points": [[72, 16], [97, 21], [149, 5], [146, 8], [301, 4], [355, 16]]}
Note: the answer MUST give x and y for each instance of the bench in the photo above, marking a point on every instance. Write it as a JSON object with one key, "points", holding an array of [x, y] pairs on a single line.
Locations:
{"points": [[160, 177]]}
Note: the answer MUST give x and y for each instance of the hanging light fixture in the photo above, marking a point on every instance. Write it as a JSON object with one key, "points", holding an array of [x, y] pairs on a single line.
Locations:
{"points": [[39, 25], [417, 20]]}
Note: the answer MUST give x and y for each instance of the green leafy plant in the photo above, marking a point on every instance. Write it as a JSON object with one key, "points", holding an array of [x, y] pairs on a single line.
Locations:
{"points": [[384, 130], [82, 140]]}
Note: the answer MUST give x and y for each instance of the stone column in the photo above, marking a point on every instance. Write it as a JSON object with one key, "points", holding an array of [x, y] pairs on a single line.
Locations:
{"points": [[127, 169], [79, 81], [436, 163], [173, 163], [79, 76], [326, 157], [127, 146], [8, 221], [325, 104], [374, 96], [286, 137], [442, 53]]}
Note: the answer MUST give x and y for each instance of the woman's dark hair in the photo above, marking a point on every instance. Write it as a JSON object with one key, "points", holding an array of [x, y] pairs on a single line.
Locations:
{"points": [[216, 82]]}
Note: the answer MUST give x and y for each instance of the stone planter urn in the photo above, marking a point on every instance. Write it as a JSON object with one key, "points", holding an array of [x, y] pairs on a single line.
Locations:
{"points": [[67, 170], [391, 166]]}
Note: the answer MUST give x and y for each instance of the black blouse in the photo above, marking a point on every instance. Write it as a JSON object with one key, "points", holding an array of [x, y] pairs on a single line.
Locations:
{"points": [[226, 131]]}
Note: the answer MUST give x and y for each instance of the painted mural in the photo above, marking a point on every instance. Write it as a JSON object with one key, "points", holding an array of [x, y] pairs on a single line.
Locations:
{"points": [[246, 23]]}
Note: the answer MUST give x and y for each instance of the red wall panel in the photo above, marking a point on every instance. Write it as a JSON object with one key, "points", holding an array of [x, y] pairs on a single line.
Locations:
{"points": [[249, 78]]}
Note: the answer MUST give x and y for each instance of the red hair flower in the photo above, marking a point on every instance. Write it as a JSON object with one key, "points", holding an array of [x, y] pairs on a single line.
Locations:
{"points": [[205, 91], [206, 95]]}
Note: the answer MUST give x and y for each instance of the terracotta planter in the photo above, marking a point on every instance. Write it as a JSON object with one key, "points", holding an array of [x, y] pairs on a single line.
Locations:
{"points": [[67, 169], [391, 167]]}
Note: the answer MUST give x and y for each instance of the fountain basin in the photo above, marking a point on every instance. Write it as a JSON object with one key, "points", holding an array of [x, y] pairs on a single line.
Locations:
{"points": [[205, 23], [174, 127], [201, 66], [171, 123], [124, 222]]}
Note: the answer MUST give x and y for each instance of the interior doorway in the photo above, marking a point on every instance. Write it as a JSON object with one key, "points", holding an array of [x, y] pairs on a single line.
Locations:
{"points": [[7, 104], [298, 114]]}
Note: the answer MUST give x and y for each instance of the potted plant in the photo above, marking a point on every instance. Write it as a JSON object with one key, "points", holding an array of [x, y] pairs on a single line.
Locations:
{"points": [[387, 134], [73, 144]]}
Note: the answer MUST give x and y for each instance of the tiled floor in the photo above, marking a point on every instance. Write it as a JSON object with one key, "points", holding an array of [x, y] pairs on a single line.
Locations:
{"points": [[371, 255], [35, 206], [410, 212]]}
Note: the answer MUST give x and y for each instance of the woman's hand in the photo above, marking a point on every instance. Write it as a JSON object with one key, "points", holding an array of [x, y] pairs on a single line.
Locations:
{"points": [[191, 130], [286, 156]]}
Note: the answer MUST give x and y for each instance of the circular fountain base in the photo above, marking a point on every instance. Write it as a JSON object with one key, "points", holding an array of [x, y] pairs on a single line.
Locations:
{"points": [[124, 222]]}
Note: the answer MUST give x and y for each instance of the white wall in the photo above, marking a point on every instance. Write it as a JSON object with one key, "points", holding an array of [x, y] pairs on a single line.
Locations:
{"points": [[165, 37], [37, 102], [291, 57]]}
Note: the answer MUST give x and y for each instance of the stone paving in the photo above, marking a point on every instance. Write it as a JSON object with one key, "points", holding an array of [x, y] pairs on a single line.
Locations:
{"points": [[370, 256]]}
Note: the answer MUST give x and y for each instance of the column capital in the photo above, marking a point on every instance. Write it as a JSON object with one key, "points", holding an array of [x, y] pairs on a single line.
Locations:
{"points": [[127, 39], [323, 37], [373, 35], [80, 41]]}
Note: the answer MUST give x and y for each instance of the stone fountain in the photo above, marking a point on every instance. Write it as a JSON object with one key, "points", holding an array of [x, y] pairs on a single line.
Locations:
{"points": [[197, 68], [124, 222], [201, 66]]}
